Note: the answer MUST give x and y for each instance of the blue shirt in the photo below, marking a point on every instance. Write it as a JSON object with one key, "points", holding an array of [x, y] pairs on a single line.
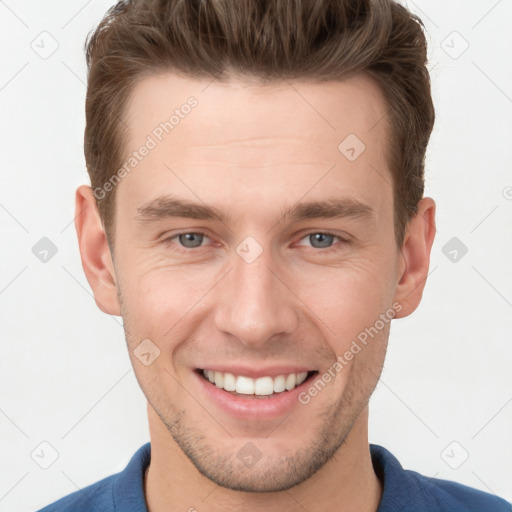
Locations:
{"points": [[403, 490]]}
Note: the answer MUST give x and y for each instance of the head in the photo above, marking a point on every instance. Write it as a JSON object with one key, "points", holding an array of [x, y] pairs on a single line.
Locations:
{"points": [[256, 203]]}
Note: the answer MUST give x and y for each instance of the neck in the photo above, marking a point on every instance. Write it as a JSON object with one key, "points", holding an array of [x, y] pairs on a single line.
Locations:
{"points": [[347, 482]]}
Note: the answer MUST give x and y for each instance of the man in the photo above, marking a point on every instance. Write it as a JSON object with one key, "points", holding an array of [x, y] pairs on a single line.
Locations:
{"points": [[256, 210]]}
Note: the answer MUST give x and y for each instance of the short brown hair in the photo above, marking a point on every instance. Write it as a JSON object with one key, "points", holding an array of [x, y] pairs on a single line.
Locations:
{"points": [[267, 40]]}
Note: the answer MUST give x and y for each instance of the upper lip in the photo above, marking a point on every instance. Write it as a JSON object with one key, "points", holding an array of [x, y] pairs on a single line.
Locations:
{"points": [[253, 372]]}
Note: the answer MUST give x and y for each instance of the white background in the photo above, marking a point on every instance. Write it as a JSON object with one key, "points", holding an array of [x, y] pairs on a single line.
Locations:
{"points": [[65, 375]]}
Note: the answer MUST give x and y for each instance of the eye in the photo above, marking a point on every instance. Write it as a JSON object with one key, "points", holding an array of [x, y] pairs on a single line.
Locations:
{"points": [[191, 240], [188, 240], [194, 240], [322, 240]]}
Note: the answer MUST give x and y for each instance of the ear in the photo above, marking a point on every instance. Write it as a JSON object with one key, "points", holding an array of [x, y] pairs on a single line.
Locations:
{"points": [[415, 257], [95, 252]]}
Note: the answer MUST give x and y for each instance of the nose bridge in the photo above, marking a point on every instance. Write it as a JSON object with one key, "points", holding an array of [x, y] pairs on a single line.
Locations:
{"points": [[254, 305]]}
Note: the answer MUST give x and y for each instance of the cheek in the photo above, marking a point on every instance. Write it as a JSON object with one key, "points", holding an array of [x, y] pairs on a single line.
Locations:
{"points": [[157, 298], [347, 299]]}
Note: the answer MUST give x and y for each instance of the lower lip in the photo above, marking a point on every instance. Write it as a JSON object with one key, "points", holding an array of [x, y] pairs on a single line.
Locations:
{"points": [[253, 407]]}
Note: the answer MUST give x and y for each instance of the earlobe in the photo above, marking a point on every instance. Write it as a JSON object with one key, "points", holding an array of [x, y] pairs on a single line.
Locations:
{"points": [[95, 252], [415, 257]]}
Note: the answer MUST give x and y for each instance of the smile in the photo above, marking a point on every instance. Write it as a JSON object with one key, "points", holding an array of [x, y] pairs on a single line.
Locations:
{"points": [[261, 386]]}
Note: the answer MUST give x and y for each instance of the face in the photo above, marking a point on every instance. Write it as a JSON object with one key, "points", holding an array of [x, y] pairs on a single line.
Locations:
{"points": [[251, 250]]}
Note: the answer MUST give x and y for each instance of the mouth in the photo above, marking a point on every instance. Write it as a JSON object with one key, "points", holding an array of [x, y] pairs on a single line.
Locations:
{"points": [[263, 387]]}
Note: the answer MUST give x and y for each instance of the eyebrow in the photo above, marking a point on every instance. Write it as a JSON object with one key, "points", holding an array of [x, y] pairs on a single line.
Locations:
{"points": [[165, 207], [331, 208]]}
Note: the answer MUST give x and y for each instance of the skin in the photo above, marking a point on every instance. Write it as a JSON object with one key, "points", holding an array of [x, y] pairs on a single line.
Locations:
{"points": [[253, 150]]}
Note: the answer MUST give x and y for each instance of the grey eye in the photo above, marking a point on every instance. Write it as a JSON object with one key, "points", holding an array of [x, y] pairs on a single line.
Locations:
{"points": [[321, 240], [191, 240]]}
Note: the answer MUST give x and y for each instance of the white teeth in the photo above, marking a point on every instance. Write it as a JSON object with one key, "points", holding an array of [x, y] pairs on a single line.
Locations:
{"points": [[245, 385], [279, 384], [263, 386], [229, 382], [301, 377], [219, 379], [290, 381]]}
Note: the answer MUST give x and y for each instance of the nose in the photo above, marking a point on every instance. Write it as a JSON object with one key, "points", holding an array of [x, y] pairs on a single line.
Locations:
{"points": [[255, 305]]}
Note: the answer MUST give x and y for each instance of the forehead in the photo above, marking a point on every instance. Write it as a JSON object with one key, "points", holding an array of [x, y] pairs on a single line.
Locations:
{"points": [[262, 110], [284, 135]]}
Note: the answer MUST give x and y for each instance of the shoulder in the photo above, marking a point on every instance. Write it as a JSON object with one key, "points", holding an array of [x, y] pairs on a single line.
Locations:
{"points": [[406, 490], [98, 496], [120, 492], [453, 496]]}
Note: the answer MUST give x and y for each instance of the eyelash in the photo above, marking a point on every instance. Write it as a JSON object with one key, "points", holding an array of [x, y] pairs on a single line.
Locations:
{"points": [[168, 241]]}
